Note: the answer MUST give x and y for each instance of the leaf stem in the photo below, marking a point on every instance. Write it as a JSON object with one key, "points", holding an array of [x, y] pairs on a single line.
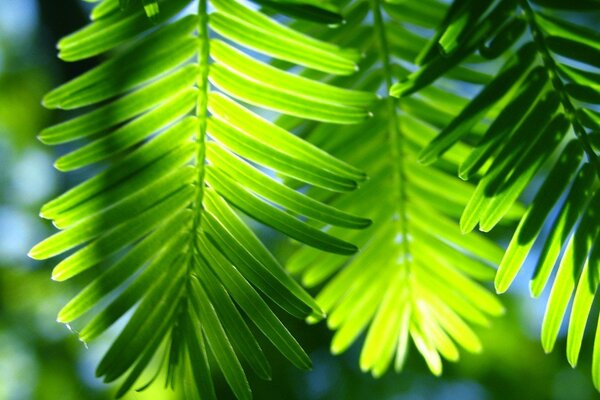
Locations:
{"points": [[201, 107], [395, 137], [552, 68]]}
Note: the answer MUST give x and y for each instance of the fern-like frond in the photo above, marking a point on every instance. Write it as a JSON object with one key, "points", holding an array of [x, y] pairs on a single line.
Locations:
{"points": [[416, 277], [542, 105], [176, 130]]}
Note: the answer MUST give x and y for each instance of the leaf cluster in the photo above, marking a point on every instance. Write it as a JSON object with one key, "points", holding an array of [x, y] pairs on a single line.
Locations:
{"points": [[541, 105], [343, 127]]}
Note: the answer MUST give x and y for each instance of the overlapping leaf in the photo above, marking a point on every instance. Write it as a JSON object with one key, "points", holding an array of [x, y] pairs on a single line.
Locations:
{"points": [[547, 90], [176, 131], [416, 276]]}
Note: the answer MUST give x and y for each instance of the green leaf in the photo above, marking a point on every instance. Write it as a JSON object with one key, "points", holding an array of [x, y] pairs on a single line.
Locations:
{"points": [[219, 343], [292, 84], [249, 147], [589, 118], [139, 367], [561, 228], [240, 335], [461, 21], [569, 270], [277, 219], [106, 33], [280, 194], [130, 134], [246, 252], [259, 33], [104, 8], [584, 93], [580, 75], [532, 222], [199, 364], [121, 110], [145, 164], [120, 236], [582, 304], [285, 142], [256, 308], [492, 93], [122, 211], [567, 30], [427, 349], [438, 65], [504, 125], [154, 274], [483, 206], [380, 341], [150, 319], [259, 93], [524, 171], [120, 271], [128, 69], [574, 50]]}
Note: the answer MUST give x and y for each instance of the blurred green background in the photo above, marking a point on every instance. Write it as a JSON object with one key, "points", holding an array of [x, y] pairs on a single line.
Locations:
{"points": [[41, 359]]}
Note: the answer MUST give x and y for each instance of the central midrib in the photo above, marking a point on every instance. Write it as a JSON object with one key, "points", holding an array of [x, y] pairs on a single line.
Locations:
{"points": [[201, 112], [395, 137]]}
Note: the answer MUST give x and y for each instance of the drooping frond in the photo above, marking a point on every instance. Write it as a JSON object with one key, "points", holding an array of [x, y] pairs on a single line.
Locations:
{"points": [[416, 276], [177, 137], [542, 107]]}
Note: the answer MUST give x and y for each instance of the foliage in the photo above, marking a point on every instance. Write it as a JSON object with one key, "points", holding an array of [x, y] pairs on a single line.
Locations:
{"points": [[546, 88], [159, 205], [416, 275], [238, 107]]}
